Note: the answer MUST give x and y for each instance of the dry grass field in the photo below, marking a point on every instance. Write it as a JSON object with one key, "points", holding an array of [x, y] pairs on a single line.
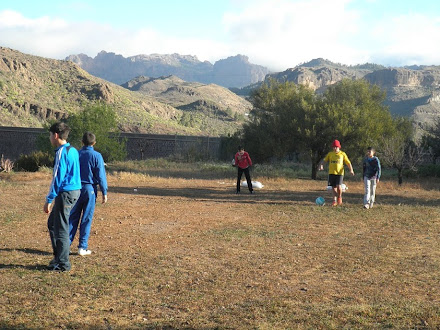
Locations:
{"points": [[177, 249]]}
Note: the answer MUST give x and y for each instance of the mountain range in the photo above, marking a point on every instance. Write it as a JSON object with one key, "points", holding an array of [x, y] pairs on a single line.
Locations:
{"points": [[234, 71], [410, 91], [174, 94], [34, 90]]}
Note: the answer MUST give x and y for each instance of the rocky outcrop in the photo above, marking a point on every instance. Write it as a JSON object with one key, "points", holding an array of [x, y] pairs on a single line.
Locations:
{"points": [[99, 92], [43, 114], [315, 77], [399, 77], [320, 73], [435, 97], [237, 71]]}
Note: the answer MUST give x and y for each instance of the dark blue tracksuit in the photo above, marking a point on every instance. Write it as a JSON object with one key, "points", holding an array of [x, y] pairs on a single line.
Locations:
{"points": [[92, 174]]}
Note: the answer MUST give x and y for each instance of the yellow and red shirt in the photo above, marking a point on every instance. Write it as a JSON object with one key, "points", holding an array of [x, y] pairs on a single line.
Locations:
{"points": [[336, 161]]}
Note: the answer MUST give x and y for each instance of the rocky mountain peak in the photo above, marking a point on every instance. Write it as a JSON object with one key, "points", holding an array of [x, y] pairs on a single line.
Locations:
{"points": [[318, 62]]}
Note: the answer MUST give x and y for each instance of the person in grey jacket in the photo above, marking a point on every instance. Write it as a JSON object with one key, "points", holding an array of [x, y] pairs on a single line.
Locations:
{"points": [[371, 174]]}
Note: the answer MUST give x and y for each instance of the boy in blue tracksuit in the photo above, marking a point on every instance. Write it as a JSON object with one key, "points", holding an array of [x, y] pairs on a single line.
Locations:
{"points": [[63, 193], [92, 174]]}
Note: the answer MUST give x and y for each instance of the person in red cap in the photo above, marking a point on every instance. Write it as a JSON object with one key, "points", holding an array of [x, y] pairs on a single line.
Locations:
{"points": [[243, 162], [336, 159]]}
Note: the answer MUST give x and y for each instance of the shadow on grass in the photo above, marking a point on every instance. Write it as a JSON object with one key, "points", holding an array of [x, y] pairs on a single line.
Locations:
{"points": [[266, 196], [30, 267], [25, 250], [84, 325]]}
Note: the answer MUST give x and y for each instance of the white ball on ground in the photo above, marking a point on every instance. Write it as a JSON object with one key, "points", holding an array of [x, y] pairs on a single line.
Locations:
{"points": [[255, 184]]}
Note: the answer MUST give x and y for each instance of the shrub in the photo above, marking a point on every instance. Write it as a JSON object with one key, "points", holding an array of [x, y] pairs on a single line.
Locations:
{"points": [[34, 161], [427, 171], [100, 119], [6, 165]]}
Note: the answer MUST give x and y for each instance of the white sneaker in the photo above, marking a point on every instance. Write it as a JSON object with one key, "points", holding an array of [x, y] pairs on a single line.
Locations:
{"points": [[366, 206], [83, 252]]}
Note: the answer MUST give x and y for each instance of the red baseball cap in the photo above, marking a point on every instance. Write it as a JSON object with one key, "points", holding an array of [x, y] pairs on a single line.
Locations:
{"points": [[336, 143]]}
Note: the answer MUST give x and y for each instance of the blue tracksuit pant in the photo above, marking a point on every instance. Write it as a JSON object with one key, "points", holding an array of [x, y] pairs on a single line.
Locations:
{"points": [[86, 207]]}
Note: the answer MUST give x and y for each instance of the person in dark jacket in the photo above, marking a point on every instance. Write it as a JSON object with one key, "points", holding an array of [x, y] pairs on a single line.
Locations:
{"points": [[92, 175], [371, 174], [243, 163]]}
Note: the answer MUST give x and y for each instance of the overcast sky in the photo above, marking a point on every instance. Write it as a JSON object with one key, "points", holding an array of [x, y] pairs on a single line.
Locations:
{"points": [[278, 34]]}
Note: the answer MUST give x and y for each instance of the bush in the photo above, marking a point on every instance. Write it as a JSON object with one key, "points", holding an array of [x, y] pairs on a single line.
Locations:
{"points": [[100, 119], [6, 165], [34, 161], [424, 171]]}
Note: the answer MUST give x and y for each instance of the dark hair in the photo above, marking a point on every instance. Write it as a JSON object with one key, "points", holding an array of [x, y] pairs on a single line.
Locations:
{"points": [[88, 138], [61, 129], [371, 148], [240, 148]]}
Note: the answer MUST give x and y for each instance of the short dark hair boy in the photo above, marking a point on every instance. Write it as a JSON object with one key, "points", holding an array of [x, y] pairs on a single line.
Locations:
{"points": [[63, 193], [89, 139], [92, 175], [62, 129]]}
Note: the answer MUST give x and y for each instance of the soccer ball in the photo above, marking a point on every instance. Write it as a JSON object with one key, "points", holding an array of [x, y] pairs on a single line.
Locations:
{"points": [[320, 201]]}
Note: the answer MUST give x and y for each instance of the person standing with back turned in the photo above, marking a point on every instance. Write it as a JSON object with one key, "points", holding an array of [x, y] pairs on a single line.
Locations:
{"points": [[92, 174], [63, 193]]}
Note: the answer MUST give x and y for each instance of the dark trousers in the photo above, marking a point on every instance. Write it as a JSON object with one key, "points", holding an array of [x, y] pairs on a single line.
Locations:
{"points": [[247, 175], [58, 225]]}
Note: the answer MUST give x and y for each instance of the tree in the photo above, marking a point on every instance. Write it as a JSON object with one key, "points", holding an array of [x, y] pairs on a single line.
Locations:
{"points": [[358, 114], [291, 118], [351, 111], [100, 119], [272, 130], [399, 151], [431, 141]]}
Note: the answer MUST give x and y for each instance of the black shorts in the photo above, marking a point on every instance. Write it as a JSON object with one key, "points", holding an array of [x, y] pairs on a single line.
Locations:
{"points": [[335, 180]]}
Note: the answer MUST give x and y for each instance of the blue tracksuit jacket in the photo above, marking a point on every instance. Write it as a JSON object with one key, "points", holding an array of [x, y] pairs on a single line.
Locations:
{"points": [[66, 172], [92, 168]]}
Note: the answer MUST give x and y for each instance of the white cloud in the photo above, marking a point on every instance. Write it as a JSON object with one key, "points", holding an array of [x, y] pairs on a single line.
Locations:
{"points": [[284, 33], [43, 36], [407, 39], [57, 39], [278, 34]]}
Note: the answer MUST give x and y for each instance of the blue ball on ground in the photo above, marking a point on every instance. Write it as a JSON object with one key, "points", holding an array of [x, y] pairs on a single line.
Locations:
{"points": [[320, 201]]}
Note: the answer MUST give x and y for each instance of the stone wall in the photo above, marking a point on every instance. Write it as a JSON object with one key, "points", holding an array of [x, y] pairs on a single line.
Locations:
{"points": [[143, 146], [15, 141]]}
